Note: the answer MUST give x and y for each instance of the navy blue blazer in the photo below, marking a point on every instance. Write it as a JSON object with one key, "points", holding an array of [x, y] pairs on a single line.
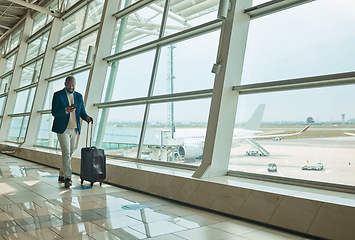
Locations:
{"points": [[59, 103]]}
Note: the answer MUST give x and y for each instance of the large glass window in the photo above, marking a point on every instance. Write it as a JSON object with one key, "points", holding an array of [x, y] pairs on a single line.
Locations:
{"points": [[53, 86], [30, 73], [94, 13], [176, 131], [72, 25], [10, 63], [45, 136], [84, 46], [37, 46], [73, 55], [81, 20], [137, 28], [15, 39], [132, 77], [189, 13], [284, 46], [2, 104], [120, 132], [5, 84], [24, 100], [324, 152], [186, 66], [65, 58], [40, 20], [17, 129]]}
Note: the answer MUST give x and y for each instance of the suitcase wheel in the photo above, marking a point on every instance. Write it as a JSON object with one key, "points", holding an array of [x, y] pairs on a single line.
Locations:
{"points": [[82, 181], [91, 184]]}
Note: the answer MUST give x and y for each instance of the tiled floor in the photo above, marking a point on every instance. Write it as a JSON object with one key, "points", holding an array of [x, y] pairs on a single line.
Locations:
{"points": [[33, 205]]}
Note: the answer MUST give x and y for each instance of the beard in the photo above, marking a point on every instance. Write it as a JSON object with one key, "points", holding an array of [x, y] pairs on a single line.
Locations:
{"points": [[69, 90]]}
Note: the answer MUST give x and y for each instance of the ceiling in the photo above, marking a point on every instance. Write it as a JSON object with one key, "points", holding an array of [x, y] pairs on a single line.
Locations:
{"points": [[12, 11]]}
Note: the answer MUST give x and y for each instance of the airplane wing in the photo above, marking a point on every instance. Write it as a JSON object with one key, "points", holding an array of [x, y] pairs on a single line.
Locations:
{"points": [[350, 134], [274, 135]]}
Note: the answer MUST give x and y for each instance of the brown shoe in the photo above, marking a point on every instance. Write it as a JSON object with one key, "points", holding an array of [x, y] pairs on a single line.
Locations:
{"points": [[67, 183]]}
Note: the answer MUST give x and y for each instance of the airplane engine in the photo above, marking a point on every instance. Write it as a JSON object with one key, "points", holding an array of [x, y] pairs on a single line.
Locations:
{"points": [[190, 151]]}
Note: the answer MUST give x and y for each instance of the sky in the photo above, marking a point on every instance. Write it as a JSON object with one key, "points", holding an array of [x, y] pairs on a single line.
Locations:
{"points": [[313, 39]]}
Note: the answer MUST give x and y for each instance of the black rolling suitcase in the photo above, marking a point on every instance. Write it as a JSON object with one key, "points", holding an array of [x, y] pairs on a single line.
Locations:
{"points": [[93, 162]]}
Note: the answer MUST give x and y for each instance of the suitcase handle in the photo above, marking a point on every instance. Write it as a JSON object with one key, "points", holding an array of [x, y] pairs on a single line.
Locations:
{"points": [[87, 135]]}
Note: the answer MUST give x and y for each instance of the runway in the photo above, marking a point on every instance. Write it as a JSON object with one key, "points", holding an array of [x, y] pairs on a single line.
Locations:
{"points": [[336, 153]]}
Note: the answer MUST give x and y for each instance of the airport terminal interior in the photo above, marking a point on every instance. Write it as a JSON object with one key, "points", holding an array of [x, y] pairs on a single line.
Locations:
{"points": [[220, 119]]}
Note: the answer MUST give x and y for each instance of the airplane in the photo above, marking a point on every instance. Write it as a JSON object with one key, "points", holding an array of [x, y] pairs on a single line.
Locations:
{"points": [[194, 149], [350, 134]]}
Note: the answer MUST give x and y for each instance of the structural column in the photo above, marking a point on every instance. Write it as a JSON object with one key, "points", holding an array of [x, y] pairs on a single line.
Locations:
{"points": [[224, 101], [11, 98], [40, 95], [96, 81]]}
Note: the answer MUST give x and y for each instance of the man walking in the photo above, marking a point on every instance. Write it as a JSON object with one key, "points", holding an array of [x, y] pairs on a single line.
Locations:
{"points": [[67, 107]]}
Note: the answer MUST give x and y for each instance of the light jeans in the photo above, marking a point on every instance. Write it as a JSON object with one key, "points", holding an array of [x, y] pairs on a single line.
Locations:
{"points": [[67, 141]]}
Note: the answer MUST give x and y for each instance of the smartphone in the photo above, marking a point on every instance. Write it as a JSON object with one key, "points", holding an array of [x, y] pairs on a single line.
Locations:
{"points": [[73, 105]]}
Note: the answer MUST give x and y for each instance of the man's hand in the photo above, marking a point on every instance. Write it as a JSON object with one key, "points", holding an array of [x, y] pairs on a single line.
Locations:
{"points": [[70, 109], [89, 119]]}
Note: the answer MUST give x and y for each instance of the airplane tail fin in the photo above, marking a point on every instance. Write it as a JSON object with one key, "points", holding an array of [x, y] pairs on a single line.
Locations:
{"points": [[255, 120], [305, 129]]}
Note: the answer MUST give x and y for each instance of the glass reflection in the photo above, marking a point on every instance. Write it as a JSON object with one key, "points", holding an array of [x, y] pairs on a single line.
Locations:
{"points": [[187, 14], [5, 84], [65, 58], [137, 28], [72, 25], [17, 130], [119, 132], [10, 62], [24, 100], [45, 136], [30, 73]]}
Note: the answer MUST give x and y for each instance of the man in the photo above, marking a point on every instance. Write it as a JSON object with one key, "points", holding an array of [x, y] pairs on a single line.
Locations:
{"points": [[67, 107]]}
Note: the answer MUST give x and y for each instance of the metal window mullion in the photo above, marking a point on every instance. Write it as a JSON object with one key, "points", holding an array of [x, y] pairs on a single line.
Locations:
{"points": [[85, 17], [112, 78], [73, 71], [3, 95], [274, 6], [12, 52], [80, 35], [158, 99], [77, 53], [25, 87], [44, 112], [153, 78], [35, 59], [19, 114], [26, 106], [41, 44], [147, 107], [298, 83], [181, 36], [7, 74]]}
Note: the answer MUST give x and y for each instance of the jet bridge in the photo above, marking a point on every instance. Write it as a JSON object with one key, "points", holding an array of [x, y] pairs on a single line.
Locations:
{"points": [[262, 151]]}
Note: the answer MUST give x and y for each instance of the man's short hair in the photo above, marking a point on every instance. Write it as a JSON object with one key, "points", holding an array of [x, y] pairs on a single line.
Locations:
{"points": [[70, 78]]}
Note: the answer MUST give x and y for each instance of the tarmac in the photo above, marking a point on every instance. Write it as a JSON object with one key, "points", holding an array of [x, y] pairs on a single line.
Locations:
{"points": [[336, 153]]}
